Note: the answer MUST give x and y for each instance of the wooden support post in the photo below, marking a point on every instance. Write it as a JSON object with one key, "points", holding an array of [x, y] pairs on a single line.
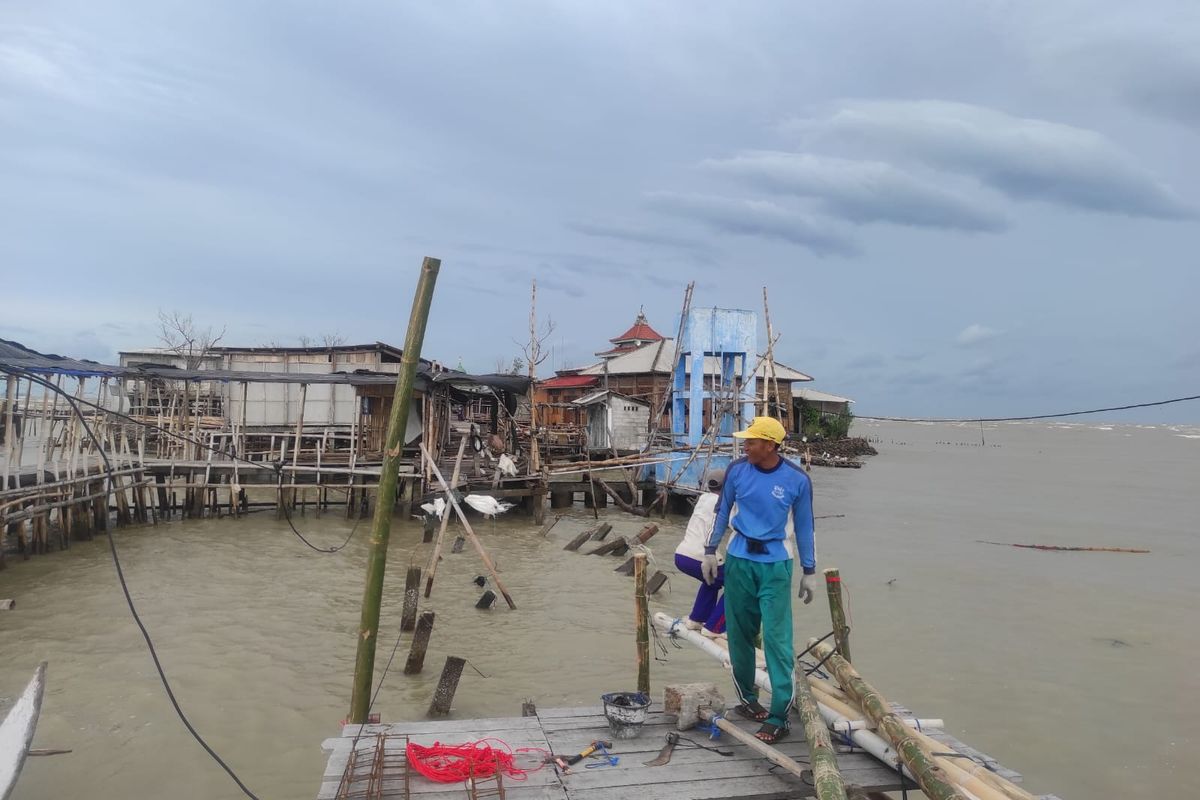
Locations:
{"points": [[443, 696], [626, 568], [642, 620], [841, 631], [412, 591], [122, 499], [645, 533], [600, 531], [538, 501], [561, 498], [549, 525], [368, 632], [436, 556], [160, 487], [656, 582], [578, 541], [617, 546], [420, 642]]}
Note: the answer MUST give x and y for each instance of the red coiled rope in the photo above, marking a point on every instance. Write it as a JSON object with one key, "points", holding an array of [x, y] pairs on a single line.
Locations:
{"points": [[455, 763]]}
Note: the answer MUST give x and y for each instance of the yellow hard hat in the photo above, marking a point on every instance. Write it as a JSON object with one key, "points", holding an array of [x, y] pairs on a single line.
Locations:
{"points": [[764, 428]]}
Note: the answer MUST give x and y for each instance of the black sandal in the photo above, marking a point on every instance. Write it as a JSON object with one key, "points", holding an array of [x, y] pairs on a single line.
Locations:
{"points": [[752, 711], [771, 733]]}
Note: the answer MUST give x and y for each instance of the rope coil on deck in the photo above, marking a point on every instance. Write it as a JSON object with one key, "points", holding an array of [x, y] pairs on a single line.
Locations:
{"points": [[455, 763]]}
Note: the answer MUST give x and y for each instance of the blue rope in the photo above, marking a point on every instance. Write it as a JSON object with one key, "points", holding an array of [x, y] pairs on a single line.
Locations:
{"points": [[609, 759]]}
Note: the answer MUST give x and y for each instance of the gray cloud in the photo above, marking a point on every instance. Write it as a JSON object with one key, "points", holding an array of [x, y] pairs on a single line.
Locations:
{"points": [[867, 361], [754, 218], [975, 334], [1149, 60], [1026, 159], [636, 235], [863, 191]]}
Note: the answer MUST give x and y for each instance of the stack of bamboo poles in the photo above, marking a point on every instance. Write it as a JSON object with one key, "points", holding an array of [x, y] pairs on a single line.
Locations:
{"points": [[852, 708]]}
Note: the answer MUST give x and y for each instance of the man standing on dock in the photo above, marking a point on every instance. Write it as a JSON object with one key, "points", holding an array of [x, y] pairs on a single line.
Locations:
{"points": [[766, 487]]}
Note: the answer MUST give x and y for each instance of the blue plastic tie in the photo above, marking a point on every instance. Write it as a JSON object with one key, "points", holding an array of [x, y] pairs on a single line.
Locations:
{"points": [[714, 732]]}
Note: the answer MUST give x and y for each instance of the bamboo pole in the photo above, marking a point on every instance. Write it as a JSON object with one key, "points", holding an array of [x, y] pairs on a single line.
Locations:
{"points": [[445, 521], [841, 631], [642, 620], [827, 779], [453, 501], [756, 744], [368, 634], [915, 754]]}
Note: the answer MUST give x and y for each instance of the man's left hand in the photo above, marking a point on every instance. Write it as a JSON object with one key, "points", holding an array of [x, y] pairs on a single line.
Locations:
{"points": [[808, 585]]}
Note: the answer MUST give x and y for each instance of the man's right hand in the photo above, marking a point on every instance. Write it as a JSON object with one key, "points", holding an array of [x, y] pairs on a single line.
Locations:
{"points": [[708, 568]]}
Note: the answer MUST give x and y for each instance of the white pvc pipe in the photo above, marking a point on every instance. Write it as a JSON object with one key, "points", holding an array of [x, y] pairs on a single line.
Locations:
{"points": [[863, 738]]}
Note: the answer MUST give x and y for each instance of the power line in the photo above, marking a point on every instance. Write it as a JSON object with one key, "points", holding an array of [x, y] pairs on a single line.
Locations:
{"points": [[1032, 416]]}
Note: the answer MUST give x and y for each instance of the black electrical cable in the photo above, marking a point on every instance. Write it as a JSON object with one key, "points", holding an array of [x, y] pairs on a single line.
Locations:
{"points": [[112, 547], [1032, 416]]}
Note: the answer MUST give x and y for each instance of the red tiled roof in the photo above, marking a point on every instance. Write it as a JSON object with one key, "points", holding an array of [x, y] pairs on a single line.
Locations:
{"points": [[569, 381], [640, 330]]}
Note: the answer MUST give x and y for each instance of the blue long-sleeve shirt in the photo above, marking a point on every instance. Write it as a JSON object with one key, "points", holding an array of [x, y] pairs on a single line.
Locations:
{"points": [[764, 498]]}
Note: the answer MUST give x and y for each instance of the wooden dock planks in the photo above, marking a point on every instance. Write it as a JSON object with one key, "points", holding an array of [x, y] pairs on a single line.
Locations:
{"points": [[692, 773]]}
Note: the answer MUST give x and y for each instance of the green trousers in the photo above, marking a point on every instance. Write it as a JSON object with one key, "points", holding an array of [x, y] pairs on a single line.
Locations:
{"points": [[758, 593]]}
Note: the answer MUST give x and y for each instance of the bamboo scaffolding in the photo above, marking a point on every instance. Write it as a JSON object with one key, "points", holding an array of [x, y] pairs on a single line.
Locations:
{"points": [[915, 754], [436, 556], [450, 498]]}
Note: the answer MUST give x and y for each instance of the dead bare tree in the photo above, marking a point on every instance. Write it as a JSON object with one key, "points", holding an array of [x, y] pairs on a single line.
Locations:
{"points": [[326, 340], [181, 336]]}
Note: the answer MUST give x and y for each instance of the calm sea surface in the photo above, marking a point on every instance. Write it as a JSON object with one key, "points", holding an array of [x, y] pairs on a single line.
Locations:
{"points": [[1078, 669]]}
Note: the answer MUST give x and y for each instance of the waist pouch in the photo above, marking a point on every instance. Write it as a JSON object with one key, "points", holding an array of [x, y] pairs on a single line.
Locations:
{"points": [[755, 546]]}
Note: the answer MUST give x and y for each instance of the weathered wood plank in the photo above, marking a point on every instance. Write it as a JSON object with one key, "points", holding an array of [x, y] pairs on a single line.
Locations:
{"points": [[692, 774]]}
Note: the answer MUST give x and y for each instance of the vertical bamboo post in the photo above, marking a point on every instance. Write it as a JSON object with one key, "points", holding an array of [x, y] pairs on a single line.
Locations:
{"points": [[412, 592], [642, 620], [10, 409], [841, 631], [535, 456], [827, 779], [364, 667]]}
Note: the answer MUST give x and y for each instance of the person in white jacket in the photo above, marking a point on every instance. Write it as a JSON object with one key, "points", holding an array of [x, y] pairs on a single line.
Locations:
{"points": [[708, 611]]}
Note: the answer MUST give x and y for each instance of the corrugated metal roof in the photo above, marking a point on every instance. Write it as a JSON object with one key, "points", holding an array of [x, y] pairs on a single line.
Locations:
{"points": [[16, 355], [656, 357], [819, 397], [569, 381], [596, 397]]}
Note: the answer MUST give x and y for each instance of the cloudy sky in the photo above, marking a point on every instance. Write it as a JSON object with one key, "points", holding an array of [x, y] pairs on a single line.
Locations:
{"points": [[958, 208]]}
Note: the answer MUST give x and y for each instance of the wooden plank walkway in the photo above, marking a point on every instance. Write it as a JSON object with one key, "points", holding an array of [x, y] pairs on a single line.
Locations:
{"points": [[692, 773]]}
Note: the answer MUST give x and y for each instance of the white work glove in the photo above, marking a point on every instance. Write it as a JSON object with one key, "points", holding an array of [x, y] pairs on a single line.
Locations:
{"points": [[708, 568], [808, 585]]}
